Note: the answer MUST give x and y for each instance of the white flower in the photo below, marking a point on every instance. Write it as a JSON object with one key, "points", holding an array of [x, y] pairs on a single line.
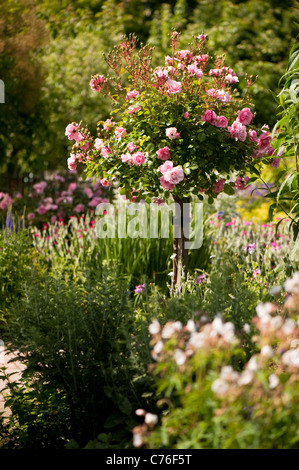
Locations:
{"points": [[154, 327], [266, 351], [170, 328], [228, 373], [140, 412], [137, 440], [158, 348], [291, 358], [252, 364], [179, 357], [217, 325], [289, 326], [151, 419], [220, 387], [264, 310], [246, 377], [246, 328], [273, 381], [292, 285], [197, 340], [276, 322], [191, 326]]}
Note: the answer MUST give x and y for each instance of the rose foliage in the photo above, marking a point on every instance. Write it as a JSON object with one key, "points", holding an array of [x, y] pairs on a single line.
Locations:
{"points": [[177, 130]]}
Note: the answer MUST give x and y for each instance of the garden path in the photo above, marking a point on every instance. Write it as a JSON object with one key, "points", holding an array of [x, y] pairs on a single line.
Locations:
{"points": [[12, 367]]}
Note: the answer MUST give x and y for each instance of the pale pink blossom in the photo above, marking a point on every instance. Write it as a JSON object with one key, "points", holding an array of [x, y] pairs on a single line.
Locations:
{"points": [[221, 121], [172, 133], [79, 208], [194, 70], [175, 175], [132, 94], [166, 184], [138, 158], [238, 131], [131, 147], [40, 187], [167, 166], [98, 143], [120, 132], [31, 216], [72, 162], [245, 116], [252, 135], [163, 153], [134, 109], [96, 82], [209, 116], [71, 131], [104, 182], [173, 86], [231, 78], [184, 55], [127, 158], [168, 60], [108, 124], [88, 192]]}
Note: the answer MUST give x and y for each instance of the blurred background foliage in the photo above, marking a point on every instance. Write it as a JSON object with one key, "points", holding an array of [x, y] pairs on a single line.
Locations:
{"points": [[50, 49]]}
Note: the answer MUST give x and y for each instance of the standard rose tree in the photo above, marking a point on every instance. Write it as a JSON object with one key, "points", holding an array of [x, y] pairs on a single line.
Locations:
{"points": [[177, 131]]}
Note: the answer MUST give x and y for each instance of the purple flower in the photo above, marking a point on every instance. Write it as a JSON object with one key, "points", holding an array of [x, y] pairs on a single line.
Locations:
{"points": [[200, 279], [139, 289]]}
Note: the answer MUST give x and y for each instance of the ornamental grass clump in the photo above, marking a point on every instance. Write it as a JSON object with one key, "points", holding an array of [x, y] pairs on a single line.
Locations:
{"points": [[177, 131], [212, 396]]}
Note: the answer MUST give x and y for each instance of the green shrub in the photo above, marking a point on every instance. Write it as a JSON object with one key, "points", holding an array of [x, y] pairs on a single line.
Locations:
{"points": [[79, 343]]}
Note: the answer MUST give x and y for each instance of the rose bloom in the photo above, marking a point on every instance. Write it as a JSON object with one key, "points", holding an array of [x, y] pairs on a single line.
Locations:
{"points": [[264, 140], [209, 116], [231, 78], [127, 158], [173, 86], [132, 94], [108, 124], [79, 208], [175, 175], [252, 135], [194, 70], [71, 131], [72, 162], [221, 121], [133, 109], [166, 184], [98, 143], [131, 147], [167, 166], [120, 132], [238, 131], [218, 187], [96, 82], [240, 183], [138, 158], [245, 116], [186, 115], [163, 153], [172, 133], [104, 182], [184, 54]]}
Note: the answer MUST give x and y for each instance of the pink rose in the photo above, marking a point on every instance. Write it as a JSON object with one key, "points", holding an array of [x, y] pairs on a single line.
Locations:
{"points": [[194, 70], [240, 182], [79, 208], [108, 124], [72, 187], [231, 78], [173, 86], [72, 162], [245, 116], [167, 166], [252, 135], [221, 121], [31, 216], [264, 140], [209, 116], [96, 82], [163, 153], [120, 132], [104, 182], [88, 192], [184, 55], [40, 187], [53, 219], [175, 175], [133, 109], [186, 115], [71, 130], [166, 184], [172, 133], [238, 131], [218, 187], [131, 147], [127, 158], [132, 94], [138, 158]]}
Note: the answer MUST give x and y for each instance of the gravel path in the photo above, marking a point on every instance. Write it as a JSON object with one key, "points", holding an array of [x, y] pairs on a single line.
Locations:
{"points": [[14, 368]]}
